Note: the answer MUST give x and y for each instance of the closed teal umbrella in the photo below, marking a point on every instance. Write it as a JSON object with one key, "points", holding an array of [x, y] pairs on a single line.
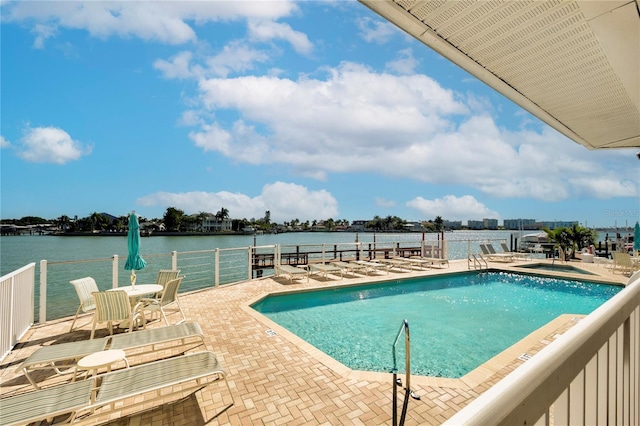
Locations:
{"points": [[636, 237], [135, 262]]}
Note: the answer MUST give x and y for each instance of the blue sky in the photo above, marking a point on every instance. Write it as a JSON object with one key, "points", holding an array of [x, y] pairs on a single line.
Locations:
{"points": [[310, 110]]}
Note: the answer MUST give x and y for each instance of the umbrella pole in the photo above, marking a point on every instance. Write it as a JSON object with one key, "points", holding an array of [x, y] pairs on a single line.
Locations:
{"points": [[133, 278]]}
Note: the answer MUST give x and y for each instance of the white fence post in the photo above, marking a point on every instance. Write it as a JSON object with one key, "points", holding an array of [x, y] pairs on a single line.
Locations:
{"points": [[43, 292], [114, 272], [174, 260], [250, 260], [216, 265]]}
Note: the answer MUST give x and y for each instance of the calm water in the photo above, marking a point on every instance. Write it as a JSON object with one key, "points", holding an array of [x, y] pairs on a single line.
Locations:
{"points": [[18, 251], [456, 322]]}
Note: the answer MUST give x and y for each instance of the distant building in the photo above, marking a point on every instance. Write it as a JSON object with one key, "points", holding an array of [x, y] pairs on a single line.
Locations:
{"points": [[556, 224], [211, 224], [452, 224], [518, 224], [475, 224], [490, 223], [359, 225], [413, 226]]}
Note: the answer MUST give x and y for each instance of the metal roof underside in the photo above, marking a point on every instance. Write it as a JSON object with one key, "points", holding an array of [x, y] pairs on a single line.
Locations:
{"points": [[574, 64]]}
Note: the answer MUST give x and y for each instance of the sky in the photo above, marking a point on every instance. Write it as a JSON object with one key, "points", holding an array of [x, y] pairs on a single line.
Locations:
{"points": [[307, 109]]}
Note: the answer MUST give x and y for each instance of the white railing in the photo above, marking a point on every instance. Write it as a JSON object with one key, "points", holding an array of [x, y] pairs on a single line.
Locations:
{"points": [[16, 306], [587, 376]]}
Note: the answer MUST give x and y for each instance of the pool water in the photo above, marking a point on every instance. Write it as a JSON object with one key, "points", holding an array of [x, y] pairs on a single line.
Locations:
{"points": [[457, 322]]}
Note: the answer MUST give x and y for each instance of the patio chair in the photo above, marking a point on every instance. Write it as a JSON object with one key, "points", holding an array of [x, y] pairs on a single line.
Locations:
{"points": [[622, 261], [164, 276], [112, 306], [85, 287], [169, 297]]}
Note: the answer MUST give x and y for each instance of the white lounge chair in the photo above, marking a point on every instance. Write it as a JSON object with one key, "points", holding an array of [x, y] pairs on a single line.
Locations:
{"points": [[324, 270], [63, 357], [501, 257], [517, 255], [180, 375], [372, 266], [395, 263], [433, 261], [291, 272], [350, 267]]}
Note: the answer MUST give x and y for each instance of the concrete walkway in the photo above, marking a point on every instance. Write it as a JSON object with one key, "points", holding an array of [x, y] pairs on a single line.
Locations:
{"points": [[277, 378]]}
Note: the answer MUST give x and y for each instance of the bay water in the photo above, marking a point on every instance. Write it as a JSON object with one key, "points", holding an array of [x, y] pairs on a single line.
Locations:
{"points": [[91, 255]]}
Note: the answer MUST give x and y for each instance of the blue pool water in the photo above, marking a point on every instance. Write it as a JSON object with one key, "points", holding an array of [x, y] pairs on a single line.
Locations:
{"points": [[457, 322]]}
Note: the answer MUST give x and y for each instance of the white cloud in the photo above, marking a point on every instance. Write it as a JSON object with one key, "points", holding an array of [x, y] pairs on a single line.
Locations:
{"points": [[269, 30], [408, 127], [376, 31], [452, 208], [4, 143], [383, 202], [50, 145], [404, 64], [285, 201], [164, 22]]}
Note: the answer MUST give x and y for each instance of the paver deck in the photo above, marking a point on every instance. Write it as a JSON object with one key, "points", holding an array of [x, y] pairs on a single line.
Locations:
{"points": [[278, 379]]}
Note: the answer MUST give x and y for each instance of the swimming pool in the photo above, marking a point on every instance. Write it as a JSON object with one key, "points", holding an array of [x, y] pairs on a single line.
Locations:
{"points": [[457, 321], [555, 268]]}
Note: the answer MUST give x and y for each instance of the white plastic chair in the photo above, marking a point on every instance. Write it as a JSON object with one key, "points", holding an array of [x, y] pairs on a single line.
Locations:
{"points": [[85, 287], [169, 297]]}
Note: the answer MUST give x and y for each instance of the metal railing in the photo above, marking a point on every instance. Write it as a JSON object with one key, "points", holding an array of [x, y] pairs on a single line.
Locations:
{"points": [[404, 329], [590, 375], [16, 309]]}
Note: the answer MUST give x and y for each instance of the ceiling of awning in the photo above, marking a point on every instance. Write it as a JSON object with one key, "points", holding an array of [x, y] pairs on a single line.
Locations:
{"points": [[574, 64]]}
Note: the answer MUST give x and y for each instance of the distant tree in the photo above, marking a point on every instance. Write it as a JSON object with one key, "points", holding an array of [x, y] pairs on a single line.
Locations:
{"points": [[561, 239], [202, 216], [330, 224], [222, 214], [438, 223], [580, 237], [173, 218], [31, 220]]}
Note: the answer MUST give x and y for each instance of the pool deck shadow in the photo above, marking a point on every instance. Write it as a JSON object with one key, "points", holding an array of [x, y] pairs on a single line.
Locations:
{"points": [[277, 378]]}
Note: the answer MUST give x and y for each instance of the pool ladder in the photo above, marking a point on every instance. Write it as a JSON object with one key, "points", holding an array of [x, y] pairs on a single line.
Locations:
{"points": [[477, 260], [404, 329]]}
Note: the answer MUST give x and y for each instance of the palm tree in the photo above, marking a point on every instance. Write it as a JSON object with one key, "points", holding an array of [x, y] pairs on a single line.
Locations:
{"points": [[438, 223], [561, 238], [580, 237]]}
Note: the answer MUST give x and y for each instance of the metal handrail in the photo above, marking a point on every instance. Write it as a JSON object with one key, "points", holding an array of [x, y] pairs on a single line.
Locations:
{"points": [[398, 382]]}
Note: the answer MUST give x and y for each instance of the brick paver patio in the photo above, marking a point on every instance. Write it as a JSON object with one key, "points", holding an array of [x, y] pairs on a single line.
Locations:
{"points": [[275, 377]]}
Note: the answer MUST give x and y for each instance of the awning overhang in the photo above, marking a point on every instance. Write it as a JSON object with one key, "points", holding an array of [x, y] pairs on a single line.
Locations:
{"points": [[574, 64]]}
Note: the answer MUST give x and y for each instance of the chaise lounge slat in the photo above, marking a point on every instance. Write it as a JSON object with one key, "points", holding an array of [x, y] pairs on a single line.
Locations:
{"points": [[350, 268], [292, 272], [154, 336], [158, 375], [325, 270], [96, 392], [46, 357], [46, 403]]}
